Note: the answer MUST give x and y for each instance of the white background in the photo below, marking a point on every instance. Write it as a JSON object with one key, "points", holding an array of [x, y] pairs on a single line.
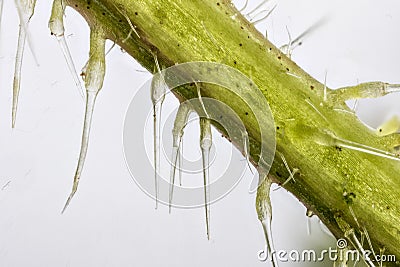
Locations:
{"points": [[111, 222]]}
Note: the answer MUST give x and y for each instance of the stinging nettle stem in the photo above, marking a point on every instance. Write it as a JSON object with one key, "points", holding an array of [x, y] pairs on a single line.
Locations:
{"points": [[181, 38]]}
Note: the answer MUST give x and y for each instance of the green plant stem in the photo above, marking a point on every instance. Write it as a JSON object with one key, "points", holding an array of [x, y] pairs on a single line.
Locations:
{"points": [[330, 178]]}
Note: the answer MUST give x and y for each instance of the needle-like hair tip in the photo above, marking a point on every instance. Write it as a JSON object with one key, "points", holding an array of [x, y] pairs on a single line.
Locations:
{"points": [[71, 195], [14, 111]]}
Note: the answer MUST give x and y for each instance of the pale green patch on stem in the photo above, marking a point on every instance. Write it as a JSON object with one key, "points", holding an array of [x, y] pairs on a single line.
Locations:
{"points": [[389, 127], [325, 137]]}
